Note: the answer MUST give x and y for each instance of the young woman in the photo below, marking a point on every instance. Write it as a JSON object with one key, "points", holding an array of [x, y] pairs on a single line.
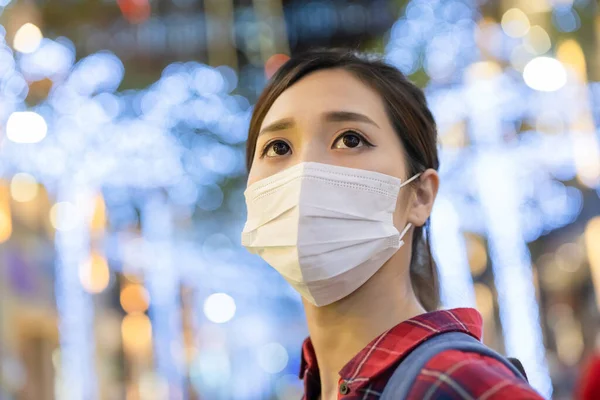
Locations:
{"points": [[342, 162]]}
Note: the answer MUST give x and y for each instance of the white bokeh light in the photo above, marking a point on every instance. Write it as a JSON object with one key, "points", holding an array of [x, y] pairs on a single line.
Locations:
{"points": [[23, 187], [219, 308], [545, 74], [515, 23], [537, 40], [26, 127], [64, 216], [273, 357], [27, 38]]}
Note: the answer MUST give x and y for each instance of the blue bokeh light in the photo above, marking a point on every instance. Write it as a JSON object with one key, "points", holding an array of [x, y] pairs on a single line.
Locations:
{"points": [[566, 19]]}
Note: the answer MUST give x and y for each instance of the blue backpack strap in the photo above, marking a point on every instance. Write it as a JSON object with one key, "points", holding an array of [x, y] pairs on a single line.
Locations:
{"points": [[399, 385]]}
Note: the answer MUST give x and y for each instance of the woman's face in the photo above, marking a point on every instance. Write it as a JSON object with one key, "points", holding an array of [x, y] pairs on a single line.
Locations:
{"points": [[330, 117]]}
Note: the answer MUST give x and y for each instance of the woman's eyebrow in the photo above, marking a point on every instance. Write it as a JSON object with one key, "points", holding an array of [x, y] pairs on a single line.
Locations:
{"points": [[279, 125], [344, 116], [330, 116]]}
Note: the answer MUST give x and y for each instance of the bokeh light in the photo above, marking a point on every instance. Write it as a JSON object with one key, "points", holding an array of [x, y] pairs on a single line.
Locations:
{"points": [[274, 63], [210, 197], [545, 74], [569, 53], [27, 38], [485, 300], [5, 215], [98, 221], [94, 274], [477, 255], [515, 23], [519, 57], [272, 357], [134, 298], [566, 19], [218, 248], [23, 187], [219, 308], [135, 11], [65, 216], [592, 239], [537, 41], [136, 331], [26, 127]]}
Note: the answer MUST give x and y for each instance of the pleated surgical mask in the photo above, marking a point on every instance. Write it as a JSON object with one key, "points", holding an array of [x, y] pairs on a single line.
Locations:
{"points": [[326, 229]]}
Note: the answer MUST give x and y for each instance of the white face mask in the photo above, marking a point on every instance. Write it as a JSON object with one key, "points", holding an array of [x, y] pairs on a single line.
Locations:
{"points": [[326, 229]]}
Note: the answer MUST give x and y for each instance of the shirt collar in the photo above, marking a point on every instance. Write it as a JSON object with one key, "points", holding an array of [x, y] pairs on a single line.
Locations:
{"points": [[390, 347]]}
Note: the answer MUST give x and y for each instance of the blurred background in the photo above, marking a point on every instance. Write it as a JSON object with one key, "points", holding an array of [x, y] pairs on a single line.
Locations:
{"points": [[122, 130]]}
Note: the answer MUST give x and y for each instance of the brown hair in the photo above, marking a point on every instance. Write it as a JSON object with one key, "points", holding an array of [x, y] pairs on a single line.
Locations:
{"points": [[411, 118]]}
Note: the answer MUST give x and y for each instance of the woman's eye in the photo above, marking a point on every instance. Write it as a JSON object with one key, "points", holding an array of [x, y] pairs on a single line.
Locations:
{"points": [[350, 140], [277, 148]]}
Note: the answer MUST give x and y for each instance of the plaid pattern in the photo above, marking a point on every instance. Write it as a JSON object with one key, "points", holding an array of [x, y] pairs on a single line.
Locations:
{"points": [[451, 374]]}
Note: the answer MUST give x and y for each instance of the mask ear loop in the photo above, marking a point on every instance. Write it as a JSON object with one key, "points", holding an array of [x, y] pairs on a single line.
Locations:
{"points": [[406, 228], [408, 225], [410, 179]]}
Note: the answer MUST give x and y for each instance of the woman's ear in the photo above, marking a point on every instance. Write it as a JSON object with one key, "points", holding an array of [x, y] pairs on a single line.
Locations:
{"points": [[424, 194]]}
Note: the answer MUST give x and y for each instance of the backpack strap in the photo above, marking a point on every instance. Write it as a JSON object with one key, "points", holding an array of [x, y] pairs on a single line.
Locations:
{"points": [[399, 385]]}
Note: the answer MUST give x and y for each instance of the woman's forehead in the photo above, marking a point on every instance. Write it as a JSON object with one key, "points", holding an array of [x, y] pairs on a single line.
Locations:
{"points": [[324, 91]]}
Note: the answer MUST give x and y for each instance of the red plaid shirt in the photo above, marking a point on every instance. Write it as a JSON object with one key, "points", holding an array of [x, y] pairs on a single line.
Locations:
{"points": [[451, 374]]}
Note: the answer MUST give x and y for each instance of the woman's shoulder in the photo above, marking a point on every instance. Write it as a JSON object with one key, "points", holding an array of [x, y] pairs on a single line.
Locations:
{"points": [[464, 375]]}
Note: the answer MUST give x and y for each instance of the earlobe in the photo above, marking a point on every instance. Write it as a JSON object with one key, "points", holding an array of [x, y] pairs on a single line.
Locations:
{"points": [[423, 197]]}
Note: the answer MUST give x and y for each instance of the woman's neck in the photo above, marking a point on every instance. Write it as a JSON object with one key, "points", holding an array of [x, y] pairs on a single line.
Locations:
{"points": [[340, 330]]}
